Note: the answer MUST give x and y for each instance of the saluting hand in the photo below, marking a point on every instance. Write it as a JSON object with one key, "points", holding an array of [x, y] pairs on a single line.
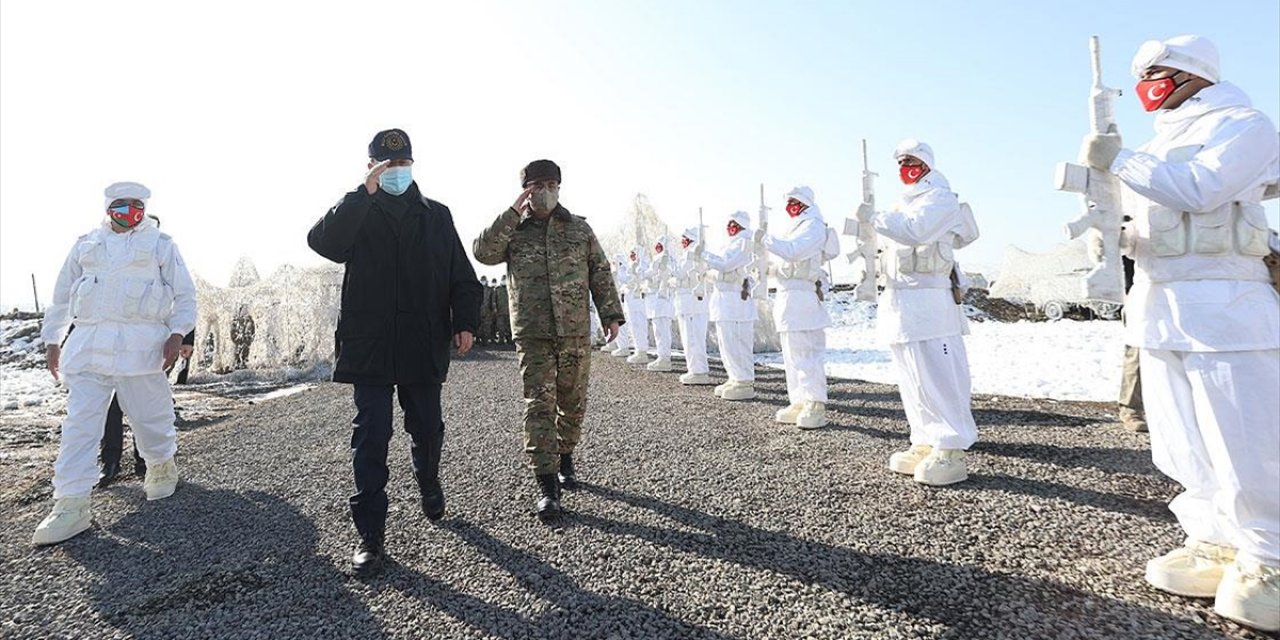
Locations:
{"points": [[521, 205], [371, 178]]}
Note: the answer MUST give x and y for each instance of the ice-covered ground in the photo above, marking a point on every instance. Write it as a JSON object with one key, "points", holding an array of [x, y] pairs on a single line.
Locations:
{"points": [[1066, 360]]}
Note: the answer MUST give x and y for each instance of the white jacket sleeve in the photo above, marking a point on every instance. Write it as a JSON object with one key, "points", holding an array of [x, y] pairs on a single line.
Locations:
{"points": [[932, 217], [1224, 167], [57, 316], [807, 243], [735, 256], [174, 273]]}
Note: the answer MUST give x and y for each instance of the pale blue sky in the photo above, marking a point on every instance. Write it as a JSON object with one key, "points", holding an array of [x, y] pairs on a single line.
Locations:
{"points": [[248, 119]]}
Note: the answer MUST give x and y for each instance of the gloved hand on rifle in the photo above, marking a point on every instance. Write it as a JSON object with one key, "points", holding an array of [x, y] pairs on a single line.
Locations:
{"points": [[1099, 150], [758, 236]]}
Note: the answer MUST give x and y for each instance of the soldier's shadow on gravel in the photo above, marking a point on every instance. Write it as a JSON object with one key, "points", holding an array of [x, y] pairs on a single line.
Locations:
{"points": [[576, 612], [973, 601], [216, 563]]}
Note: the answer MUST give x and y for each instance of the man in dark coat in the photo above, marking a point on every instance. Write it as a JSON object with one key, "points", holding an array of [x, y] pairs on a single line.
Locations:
{"points": [[408, 290]]}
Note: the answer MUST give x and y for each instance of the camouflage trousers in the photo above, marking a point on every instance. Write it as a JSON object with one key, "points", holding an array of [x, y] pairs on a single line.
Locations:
{"points": [[554, 374]]}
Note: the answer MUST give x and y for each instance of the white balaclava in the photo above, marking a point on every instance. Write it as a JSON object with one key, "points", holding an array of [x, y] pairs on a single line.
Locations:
{"points": [[743, 220]]}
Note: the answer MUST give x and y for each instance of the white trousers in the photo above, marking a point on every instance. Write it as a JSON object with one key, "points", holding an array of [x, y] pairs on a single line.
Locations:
{"points": [[638, 322], [1215, 429], [935, 388], [662, 336], [693, 336], [804, 353], [736, 340], [623, 341], [146, 399]]}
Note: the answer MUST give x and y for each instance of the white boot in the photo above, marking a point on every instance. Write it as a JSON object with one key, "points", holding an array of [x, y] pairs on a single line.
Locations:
{"points": [[739, 391], [1249, 593], [942, 467], [661, 364], [621, 352], [812, 416], [695, 378], [639, 357], [609, 347], [905, 462], [788, 415], [162, 480], [719, 390], [70, 516], [1192, 570]]}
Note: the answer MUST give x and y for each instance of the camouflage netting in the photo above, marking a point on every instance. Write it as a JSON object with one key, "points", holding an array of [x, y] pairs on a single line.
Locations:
{"points": [[294, 313], [1038, 278]]}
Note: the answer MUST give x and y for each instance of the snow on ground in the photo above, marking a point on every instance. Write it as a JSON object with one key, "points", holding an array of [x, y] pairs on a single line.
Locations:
{"points": [[1066, 360]]}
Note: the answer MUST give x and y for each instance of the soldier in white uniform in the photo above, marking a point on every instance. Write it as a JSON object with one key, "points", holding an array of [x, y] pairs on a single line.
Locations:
{"points": [[691, 308], [658, 302], [128, 292], [733, 310], [635, 308], [799, 311], [920, 320], [621, 347], [1207, 321]]}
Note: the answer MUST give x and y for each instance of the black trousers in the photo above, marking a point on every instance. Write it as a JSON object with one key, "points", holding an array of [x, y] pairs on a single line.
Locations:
{"points": [[370, 435], [112, 446]]}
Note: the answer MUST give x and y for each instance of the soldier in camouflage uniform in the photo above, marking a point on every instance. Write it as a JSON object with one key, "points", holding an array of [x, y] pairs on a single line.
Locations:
{"points": [[502, 313], [486, 307], [556, 267]]}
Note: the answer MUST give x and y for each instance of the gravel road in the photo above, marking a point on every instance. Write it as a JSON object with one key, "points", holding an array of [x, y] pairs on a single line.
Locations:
{"points": [[698, 519]]}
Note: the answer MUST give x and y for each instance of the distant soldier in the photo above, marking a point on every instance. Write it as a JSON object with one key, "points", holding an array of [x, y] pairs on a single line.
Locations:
{"points": [[1207, 321], [486, 312], [637, 310], [733, 310], [798, 310], [502, 306], [691, 307], [620, 348], [556, 267], [242, 332], [658, 302]]}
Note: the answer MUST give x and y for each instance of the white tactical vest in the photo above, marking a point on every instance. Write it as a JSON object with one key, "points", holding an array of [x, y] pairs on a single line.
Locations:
{"points": [[126, 289]]}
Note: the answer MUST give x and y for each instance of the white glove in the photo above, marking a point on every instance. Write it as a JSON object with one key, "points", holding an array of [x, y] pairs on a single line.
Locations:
{"points": [[1099, 150], [864, 212], [758, 236]]}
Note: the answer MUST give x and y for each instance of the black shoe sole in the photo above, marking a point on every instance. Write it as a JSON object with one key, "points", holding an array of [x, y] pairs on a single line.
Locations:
{"points": [[570, 484]]}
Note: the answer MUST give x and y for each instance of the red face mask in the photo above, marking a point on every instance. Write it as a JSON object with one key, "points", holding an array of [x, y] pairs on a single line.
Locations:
{"points": [[126, 215], [685, 242], [1153, 93], [734, 229], [911, 174], [794, 208], [657, 248]]}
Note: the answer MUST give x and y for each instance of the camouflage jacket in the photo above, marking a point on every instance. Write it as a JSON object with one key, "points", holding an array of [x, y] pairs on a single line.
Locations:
{"points": [[555, 267]]}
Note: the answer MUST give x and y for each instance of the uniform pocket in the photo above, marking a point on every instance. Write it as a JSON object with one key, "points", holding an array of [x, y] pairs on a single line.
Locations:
{"points": [[131, 302], [1210, 232], [1251, 230], [1168, 233], [926, 258], [82, 297], [906, 259]]}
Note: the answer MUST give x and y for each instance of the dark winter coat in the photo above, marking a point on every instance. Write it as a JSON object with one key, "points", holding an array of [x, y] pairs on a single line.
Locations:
{"points": [[408, 288]]}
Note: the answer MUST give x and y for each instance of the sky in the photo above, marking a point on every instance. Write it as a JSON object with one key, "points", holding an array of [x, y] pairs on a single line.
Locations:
{"points": [[248, 120]]}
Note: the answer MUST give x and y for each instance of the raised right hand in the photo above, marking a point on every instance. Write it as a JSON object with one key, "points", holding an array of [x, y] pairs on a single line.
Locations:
{"points": [[53, 353], [521, 205], [371, 178]]}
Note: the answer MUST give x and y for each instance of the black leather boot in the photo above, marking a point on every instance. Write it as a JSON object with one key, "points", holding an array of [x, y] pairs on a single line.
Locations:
{"points": [[432, 498], [568, 478], [367, 560], [549, 503], [110, 470], [139, 465]]}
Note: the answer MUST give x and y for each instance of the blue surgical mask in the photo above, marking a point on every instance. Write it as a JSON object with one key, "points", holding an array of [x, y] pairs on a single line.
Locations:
{"points": [[395, 180]]}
